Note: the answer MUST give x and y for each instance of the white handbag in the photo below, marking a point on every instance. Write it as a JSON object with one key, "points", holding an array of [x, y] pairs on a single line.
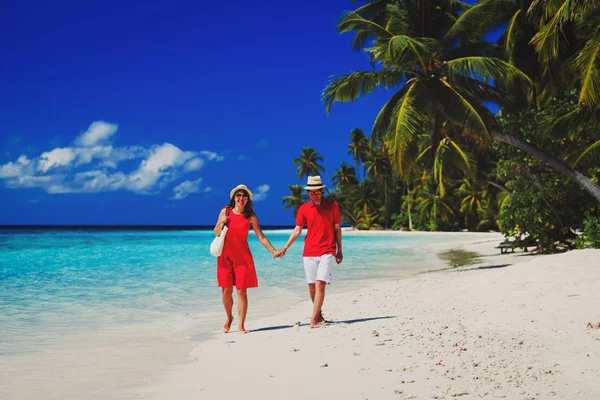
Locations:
{"points": [[216, 246]]}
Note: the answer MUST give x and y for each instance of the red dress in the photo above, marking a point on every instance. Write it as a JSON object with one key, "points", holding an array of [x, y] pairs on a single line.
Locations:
{"points": [[235, 266]]}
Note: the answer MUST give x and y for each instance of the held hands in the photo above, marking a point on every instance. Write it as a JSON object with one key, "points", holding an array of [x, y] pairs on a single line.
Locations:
{"points": [[279, 253]]}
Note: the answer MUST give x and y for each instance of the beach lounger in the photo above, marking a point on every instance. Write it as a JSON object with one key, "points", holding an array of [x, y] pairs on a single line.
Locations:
{"points": [[504, 247]]}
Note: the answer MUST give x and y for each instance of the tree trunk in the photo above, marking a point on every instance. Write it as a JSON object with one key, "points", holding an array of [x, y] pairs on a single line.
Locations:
{"points": [[410, 226], [586, 183], [501, 187]]}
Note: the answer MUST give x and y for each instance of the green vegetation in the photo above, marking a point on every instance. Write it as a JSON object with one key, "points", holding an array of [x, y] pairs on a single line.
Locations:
{"points": [[436, 157]]}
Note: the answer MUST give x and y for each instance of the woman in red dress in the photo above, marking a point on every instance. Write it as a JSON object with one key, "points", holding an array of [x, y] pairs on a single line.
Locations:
{"points": [[235, 266]]}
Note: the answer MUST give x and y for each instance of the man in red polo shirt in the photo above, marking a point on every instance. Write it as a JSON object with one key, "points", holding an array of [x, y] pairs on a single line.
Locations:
{"points": [[322, 245]]}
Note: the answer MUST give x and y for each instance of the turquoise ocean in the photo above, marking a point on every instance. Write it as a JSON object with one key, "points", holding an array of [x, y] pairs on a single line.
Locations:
{"points": [[63, 288]]}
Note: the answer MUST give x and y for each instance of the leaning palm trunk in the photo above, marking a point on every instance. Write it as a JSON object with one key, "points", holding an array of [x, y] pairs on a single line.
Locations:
{"points": [[586, 183]]}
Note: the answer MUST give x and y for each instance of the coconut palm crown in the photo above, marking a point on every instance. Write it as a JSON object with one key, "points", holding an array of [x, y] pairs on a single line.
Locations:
{"points": [[435, 82]]}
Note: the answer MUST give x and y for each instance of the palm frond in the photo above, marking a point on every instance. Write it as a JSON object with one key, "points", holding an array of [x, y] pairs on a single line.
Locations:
{"points": [[353, 22], [347, 88], [382, 122], [486, 67], [477, 20], [462, 6], [371, 9], [424, 152], [482, 90], [404, 52], [588, 63], [360, 40], [466, 113], [510, 42], [586, 151], [470, 163], [556, 13], [408, 121]]}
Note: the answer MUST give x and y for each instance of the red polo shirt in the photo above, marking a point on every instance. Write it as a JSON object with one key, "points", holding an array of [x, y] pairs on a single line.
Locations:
{"points": [[320, 238]]}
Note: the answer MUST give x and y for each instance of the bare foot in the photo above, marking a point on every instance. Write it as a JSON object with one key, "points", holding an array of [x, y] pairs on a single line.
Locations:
{"points": [[227, 325], [320, 319], [242, 330], [314, 323]]}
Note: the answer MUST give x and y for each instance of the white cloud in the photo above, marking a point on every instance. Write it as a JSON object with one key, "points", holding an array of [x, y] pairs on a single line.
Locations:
{"points": [[193, 165], [186, 188], [261, 193], [211, 156], [120, 154], [159, 168], [87, 154], [50, 183], [59, 157], [90, 165], [98, 132], [99, 181], [22, 166]]}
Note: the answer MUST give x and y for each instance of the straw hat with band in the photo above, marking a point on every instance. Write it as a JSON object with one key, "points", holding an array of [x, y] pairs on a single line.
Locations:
{"points": [[314, 183], [238, 188]]}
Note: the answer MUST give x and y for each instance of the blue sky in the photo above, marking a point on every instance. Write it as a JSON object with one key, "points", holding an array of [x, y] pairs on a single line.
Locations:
{"points": [[117, 113]]}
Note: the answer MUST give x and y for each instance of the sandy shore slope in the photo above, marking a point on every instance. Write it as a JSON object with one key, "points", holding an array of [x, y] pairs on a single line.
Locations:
{"points": [[512, 327]]}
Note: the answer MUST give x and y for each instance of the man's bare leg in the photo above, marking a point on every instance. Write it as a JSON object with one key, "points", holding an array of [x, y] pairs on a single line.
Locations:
{"points": [[318, 300], [242, 309], [228, 306], [311, 291]]}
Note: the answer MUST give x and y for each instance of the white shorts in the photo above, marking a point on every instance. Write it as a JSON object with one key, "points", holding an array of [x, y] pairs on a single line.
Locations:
{"points": [[319, 268]]}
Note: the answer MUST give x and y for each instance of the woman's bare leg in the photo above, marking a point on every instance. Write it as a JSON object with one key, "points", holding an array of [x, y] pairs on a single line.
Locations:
{"points": [[242, 309], [228, 305]]}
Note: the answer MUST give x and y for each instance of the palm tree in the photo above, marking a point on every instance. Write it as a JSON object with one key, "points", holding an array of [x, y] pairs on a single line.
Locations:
{"points": [[583, 16], [450, 157], [297, 197], [308, 163], [367, 221], [431, 204], [379, 168], [346, 203], [365, 197], [490, 208], [486, 15], [358, 146], [344, 176], [471, 194], [436, 83], [563, 33]]}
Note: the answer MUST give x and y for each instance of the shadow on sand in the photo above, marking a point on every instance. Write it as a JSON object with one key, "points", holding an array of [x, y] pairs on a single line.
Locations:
{"points": [[492, 266], [481, 267], [348, 321]]}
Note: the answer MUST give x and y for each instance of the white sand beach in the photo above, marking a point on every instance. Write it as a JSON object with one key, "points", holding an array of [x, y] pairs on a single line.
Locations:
{"points": [[514, 326]]}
